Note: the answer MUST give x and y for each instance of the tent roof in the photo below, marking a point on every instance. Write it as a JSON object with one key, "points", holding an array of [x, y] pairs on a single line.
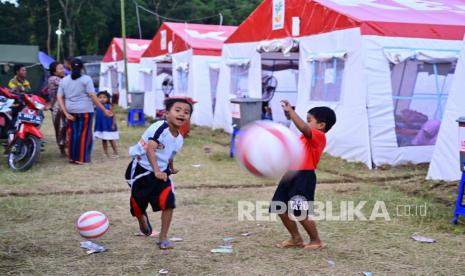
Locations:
{"points": [[399, 18], [202, 39], [134, 49], [19, 53]]}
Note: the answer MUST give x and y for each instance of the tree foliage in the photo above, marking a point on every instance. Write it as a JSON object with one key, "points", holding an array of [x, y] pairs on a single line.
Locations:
{"points": [[91, 24]]}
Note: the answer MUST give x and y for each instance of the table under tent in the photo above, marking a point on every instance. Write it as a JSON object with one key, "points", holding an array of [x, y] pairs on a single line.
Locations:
{"points": [[183, 60], [112, 68], [385, 69]]}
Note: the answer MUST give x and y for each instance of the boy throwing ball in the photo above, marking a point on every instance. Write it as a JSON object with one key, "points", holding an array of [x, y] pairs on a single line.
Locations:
{"points": [[148, 173], [296, 189]]}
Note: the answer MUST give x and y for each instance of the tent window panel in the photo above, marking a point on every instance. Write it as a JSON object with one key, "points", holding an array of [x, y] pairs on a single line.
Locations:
{"points": [[239, 81], [147, 82], [114, 80], [164, 79], [326, 80], [420, 92], [214, 76], [182, 82], [122, 80], [106, 79]]}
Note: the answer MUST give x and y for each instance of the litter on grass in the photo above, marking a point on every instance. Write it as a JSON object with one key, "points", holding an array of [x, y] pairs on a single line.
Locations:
{"points": [[92, 247], [140, 234], [423, 239], [176, 239], [222, 250]]}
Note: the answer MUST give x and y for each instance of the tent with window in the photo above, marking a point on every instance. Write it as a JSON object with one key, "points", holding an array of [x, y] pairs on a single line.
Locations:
{"points": [[183, 60], [112, 67], [384, 66], [445, 161]]}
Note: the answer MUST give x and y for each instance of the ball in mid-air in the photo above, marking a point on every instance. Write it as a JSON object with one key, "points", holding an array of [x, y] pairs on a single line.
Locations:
{"points": [[92, 224], [268, 149]]}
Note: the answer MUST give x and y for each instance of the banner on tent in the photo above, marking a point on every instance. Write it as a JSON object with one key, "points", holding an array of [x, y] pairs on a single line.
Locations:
{"points": [[278, 14], [163, 40]]}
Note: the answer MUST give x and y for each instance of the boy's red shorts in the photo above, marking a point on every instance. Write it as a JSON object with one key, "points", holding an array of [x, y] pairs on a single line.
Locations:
{"points": [[149, 189]]}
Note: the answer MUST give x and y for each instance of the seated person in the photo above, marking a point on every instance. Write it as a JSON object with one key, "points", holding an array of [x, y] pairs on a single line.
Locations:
{"points": [[267, 114], [19, 84]]}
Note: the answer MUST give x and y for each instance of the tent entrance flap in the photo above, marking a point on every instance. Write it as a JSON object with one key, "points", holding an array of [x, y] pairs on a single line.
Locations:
{"points": [[280, 75], [214, 74]]}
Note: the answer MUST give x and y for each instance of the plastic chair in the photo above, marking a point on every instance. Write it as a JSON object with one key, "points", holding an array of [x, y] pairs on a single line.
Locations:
{"points": [[459, 207], [132, 114], [232, 145]]}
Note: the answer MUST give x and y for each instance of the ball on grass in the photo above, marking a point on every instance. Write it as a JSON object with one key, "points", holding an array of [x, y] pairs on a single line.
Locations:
{"points": [[92, 224]]}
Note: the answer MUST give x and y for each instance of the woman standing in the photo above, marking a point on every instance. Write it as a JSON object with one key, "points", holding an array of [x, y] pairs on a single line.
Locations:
{"points": [[76, 96], [57, 72]]}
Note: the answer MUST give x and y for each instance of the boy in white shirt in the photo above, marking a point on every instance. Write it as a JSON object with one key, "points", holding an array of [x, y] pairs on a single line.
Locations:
{"points": [[148, 173]]}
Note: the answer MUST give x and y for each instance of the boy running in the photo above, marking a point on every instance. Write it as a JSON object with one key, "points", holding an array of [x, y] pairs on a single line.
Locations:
{"points": [[148, 173]]}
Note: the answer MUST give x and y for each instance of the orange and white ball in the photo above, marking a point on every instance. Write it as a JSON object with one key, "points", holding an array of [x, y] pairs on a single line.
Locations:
{"points": [[268, 149], [92, 225]]}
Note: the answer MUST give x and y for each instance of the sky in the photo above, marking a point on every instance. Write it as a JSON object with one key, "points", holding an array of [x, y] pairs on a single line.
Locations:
{"points": [[10, 1]]}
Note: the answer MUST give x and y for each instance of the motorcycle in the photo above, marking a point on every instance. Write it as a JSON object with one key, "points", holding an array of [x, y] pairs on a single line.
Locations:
{"points": [[24, 137], [6, 116]]}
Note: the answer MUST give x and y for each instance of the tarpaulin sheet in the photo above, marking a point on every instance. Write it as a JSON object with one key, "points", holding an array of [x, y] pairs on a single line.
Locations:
{"points": [[134, 50], [398, 18], [204, 40]]}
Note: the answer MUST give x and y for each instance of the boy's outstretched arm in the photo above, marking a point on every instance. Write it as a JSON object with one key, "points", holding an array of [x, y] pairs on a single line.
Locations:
{"points": [[151, 147], [301, 125]]}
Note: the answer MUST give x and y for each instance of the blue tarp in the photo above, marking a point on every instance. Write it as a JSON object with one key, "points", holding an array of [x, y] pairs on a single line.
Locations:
{"points": [[45, 59]]}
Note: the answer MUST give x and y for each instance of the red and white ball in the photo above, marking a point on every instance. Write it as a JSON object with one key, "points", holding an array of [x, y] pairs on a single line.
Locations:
{"points": [[268, 149], [92, 225]]}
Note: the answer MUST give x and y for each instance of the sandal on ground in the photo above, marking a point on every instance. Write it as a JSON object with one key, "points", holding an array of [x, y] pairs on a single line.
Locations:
{"points": [[144, 225], [314, 246], [165, 245], [290, 244]]}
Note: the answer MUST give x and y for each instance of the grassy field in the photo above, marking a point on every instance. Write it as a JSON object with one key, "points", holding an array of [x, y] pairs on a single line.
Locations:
{"points": [[38, 210]]}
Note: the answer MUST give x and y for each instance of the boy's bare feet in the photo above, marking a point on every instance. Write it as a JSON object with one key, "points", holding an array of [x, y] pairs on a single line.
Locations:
{"points": [[291, 243], [314, 245]]}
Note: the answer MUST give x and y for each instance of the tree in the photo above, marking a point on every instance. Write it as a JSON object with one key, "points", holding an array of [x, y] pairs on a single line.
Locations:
{"points": [[90, 25], [49, 27], [71, 10]]}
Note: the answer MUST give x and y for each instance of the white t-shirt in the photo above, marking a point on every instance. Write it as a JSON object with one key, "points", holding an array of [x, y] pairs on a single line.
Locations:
{"points": [[168, 146]]}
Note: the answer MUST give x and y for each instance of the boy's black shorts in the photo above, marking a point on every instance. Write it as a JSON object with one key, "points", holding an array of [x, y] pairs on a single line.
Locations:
{"points": [[296, 191], [149, 189]]}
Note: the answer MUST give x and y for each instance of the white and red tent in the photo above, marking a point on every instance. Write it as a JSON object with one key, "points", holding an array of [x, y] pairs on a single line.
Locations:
{"points": [[112, 66], [183, 60], [445, 164], [384, 66]]}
